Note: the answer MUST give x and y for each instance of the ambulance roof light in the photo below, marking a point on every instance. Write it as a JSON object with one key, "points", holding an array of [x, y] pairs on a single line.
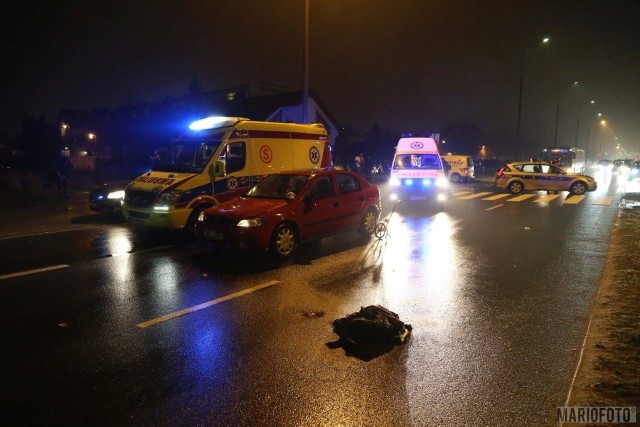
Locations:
{"points": [[214, 122]]}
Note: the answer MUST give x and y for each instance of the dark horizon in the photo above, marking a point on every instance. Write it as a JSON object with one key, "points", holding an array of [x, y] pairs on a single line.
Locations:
{"points": [[409, 66]]}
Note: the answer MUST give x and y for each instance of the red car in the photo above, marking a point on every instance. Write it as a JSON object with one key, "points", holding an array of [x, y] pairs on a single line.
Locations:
{"points": [[289, 207]]}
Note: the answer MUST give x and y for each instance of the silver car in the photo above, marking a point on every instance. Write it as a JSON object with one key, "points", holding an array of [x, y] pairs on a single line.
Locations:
{"points": [[534, 176]]}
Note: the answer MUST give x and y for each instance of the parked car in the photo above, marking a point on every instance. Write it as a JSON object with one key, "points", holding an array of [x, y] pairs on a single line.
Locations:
{"points": [[289, 207], [530, 176], [635, 169], [107, 198]]}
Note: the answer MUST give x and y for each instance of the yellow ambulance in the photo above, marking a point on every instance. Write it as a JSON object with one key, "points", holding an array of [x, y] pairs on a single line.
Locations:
{"points": [[217, 159]]}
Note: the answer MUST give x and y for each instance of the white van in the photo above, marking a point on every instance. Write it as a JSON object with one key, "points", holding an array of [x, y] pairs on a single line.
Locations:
{"points": [[217, 159], [458, 168], [417, 172]]}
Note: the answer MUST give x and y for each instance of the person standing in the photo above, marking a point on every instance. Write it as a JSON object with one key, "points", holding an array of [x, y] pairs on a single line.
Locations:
{"points": [[61, 168]]}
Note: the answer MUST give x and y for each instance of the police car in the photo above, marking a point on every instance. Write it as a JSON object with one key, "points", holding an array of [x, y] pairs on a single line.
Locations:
{"points": [[532, 176]]}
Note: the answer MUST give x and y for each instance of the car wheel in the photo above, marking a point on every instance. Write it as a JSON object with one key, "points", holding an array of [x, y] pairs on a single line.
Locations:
{"points": [[368, 223], [578, 188], [516, 187], [190, 226], [455, 177], [283, 241]]}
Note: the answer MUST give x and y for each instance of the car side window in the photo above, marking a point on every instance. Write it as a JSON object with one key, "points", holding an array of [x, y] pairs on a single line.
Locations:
{"points": [[528, 168], [555, 169], [518, 167], [322, 188], [347, 183]]}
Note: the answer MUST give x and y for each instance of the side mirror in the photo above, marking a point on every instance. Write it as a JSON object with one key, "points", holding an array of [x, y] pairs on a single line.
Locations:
{"points": [[220, 169]]}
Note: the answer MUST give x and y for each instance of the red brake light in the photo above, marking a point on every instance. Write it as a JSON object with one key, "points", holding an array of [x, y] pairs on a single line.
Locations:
{"points": [[500, 173]]}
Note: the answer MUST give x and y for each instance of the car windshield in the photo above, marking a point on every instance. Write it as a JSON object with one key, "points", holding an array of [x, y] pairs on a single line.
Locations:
{"points": [[188, 155], [279, 187], [417, 161]]}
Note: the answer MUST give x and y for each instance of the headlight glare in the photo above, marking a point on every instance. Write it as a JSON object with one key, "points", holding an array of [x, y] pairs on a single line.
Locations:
{"points": [[252, 222], [116, 194]]}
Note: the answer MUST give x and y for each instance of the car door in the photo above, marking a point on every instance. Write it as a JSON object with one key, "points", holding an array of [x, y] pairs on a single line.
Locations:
{"points": [[531, 177], [556, 178], [322, 209], [352, 200]]}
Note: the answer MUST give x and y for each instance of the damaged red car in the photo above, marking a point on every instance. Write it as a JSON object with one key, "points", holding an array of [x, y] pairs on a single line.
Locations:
{"points": [[287, 208]]}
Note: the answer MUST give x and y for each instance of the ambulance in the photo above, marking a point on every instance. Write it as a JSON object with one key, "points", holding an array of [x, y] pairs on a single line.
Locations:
{"points": [[417, 172], [215, 160]]}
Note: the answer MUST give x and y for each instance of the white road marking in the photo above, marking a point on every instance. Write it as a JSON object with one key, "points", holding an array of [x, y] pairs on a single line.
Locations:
{"points": [[497, 196], [460, 193], [205, 305], [494, 207], [573, 200], [603, 201], [473, 196], [37, 270], [521, 198], [547, 198]]}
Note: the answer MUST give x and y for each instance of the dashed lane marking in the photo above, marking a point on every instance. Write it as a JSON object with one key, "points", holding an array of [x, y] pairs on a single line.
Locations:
{"points": [[573, 200], [473, 196], [521, 198], [494, 207], [205, 305], [547, 198], [34, 271], [461, 193], [497, 196], [603, 201]]}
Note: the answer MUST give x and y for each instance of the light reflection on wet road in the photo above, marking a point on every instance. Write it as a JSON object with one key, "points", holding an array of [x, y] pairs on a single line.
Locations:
{"points": [[498, 300]]}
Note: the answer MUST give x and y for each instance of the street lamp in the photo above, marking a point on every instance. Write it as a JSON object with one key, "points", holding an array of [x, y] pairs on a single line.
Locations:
{"points": [[524, 49], [305, 85], [555, 137]]}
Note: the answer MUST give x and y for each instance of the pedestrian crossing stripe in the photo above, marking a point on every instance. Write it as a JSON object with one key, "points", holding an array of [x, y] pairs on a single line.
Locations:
{"points": [[573, 200], [570, 200], [521, 198], [497, 196], [474, 196], [603, 201], [547, 198]]}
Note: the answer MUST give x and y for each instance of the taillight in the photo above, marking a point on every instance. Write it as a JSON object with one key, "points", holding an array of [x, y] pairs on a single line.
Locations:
{"points": [[500, 173]]}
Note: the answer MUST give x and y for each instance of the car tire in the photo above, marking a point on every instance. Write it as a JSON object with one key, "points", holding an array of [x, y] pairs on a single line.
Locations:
{"points": [[190, 226], [516, 187], [455, 178], [578, 188], [283, 241], [368, 223]]}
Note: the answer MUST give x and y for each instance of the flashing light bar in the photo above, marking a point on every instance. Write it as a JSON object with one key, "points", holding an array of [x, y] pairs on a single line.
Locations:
{"points": [[214, 122]]}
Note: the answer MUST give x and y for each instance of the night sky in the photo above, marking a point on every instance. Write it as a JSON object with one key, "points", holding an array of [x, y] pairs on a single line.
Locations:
{"points": [[405, 65]]}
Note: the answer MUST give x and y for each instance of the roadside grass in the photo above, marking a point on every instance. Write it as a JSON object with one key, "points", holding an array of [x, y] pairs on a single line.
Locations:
{"points": [[610, 371]]}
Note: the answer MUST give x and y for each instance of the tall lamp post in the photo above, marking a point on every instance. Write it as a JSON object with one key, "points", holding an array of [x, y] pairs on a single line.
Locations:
{"points": [[305, 85], [578, 123], [524, 49], [555, 136]]}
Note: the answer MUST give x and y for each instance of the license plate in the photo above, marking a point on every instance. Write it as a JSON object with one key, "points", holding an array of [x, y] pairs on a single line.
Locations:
{"points": [[213, 235], [417, 198]]}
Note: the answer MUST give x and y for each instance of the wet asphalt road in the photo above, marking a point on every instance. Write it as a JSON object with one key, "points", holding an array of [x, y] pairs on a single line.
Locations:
{"points": [[498, 294]]}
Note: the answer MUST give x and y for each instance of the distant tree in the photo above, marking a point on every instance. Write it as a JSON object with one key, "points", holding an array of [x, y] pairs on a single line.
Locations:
{"points": [[38, 139]]}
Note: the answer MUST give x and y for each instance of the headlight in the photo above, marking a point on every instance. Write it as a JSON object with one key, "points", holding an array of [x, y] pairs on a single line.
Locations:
{"points": [[116, 194], [394, 181], [252, 222], [442, 182], [168, 199]]}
